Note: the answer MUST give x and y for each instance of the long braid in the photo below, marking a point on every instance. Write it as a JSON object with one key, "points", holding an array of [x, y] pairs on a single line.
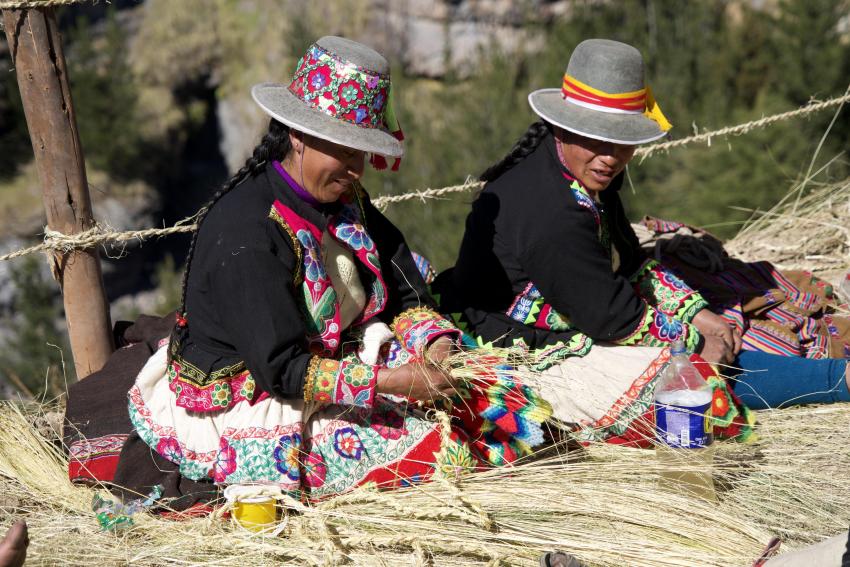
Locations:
{"points": [[522, 149], [274, 145]]}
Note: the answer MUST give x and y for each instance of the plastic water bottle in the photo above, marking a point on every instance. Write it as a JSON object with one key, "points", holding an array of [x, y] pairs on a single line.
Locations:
{"points": [[683, 426]]}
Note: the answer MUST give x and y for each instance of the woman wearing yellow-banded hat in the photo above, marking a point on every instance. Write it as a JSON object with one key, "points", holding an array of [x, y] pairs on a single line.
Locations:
{"points": [[549, 262]]}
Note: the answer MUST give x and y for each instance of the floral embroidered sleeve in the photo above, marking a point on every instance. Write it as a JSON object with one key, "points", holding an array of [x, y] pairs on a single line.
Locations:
{"points": [[340, 382], [657, 328], [666, 292], [417, 327]]}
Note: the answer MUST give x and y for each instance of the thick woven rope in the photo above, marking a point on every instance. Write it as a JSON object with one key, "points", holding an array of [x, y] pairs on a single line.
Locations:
{"points": [[28, 4]]}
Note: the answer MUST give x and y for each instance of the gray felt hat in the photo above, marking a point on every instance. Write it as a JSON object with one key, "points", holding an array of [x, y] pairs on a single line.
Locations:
{"points": [[340, 92], [604, 96]]}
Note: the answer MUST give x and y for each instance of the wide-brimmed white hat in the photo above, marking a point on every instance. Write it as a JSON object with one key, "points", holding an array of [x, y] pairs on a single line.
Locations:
{"points": [[604, 95], [340, 92]]}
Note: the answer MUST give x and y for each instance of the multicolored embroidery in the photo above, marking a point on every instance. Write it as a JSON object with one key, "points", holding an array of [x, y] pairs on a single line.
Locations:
{"points": [[318, 298], [424, 267], [345, 382], [200, 391], [659, 287], [630, 420], [388, 444], [339, 89], [347, 443], [531, 309], [287, 456], [95, 458], [659, 329], [537, 359], [583, 199], [416, 327], [243, 455]]}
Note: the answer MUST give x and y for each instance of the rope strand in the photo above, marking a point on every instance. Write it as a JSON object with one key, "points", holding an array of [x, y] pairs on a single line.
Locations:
{"points": [[97, 236]]}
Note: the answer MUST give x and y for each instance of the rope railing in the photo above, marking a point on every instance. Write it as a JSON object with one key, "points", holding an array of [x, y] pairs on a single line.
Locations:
{"points": [[744, 128], [59, 242], [29, 4]]}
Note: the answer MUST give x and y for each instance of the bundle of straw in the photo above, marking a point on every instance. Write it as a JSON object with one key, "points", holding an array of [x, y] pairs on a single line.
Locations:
{"points": [[602, 504], [807, 230]]}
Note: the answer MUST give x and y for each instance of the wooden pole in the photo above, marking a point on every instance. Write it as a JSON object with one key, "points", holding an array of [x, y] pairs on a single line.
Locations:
{"points": [[36, 49]]}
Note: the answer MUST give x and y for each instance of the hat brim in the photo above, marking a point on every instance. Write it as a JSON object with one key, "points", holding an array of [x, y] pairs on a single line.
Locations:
{"points": [[629, 129], [276, 101]]}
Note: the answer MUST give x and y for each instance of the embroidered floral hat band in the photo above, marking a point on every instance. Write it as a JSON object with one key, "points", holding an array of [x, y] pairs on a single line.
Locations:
{"points": [[340, 92]]}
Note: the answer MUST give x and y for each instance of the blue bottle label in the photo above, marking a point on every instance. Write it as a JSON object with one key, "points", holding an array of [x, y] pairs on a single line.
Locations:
{"points": [[683, 427]]}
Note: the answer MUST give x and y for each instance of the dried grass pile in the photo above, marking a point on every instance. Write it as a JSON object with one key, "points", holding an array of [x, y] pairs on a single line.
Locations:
{"points": [[807, 230], [603, 505]]}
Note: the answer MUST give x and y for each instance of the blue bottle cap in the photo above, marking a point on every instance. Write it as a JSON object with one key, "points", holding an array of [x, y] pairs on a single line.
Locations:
{"points": [[678, 347]]}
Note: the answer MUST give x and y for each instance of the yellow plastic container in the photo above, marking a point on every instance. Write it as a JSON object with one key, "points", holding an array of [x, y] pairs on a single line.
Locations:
{"points": [[253, 512]]}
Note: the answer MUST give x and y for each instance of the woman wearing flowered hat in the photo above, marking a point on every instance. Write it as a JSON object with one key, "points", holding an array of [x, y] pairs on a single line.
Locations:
{"points": [[302, 311], [550, 264]]}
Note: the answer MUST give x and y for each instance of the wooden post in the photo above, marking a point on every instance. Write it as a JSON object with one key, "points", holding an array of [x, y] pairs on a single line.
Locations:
{"points": [[36, 49]]}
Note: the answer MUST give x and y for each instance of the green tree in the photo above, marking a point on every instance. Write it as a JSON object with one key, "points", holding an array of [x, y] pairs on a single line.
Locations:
{"points": [[36, 353], [105, 98]]}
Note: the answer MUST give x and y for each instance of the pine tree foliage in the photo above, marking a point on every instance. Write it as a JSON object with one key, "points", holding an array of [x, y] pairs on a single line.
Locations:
{"points": [[36, 352]]}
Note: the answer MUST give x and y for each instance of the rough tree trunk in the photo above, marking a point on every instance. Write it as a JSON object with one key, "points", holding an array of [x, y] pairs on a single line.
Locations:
{"points": [[36, 49]]}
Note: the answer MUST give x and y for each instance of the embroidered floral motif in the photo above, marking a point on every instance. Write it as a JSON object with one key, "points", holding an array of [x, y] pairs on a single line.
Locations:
{"points": [[669, 329], [225, 461], [315, 470], [169, 447], [347, 443], [221, 395], [666, 292], [343, 382], [213, 395], [354, 236], [357, 374], [341, 89], [319, 77], [247, 389], [286, 456], [324, 379], [526, 305], [389, 425], [319, 301], [349, 92], [314, 270], [454, 460], [418, 326], [659, 329]]}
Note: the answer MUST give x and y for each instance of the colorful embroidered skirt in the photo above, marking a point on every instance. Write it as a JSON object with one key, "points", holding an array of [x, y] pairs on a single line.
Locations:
{"points": [[318, 450], [607, 395]]}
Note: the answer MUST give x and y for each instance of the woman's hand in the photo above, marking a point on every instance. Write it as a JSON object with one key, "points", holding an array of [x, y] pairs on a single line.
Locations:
{"points": [[440, 349], [715, 351], [417, 380], [711, 325]]}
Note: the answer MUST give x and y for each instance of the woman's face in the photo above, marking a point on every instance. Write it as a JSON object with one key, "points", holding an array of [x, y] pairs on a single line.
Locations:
{"points": [[595, 163], [326, 170]]}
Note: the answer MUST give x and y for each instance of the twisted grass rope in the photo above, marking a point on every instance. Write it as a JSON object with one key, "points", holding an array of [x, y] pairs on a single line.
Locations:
{"points": [[646, 152], [468, 185], [65, 243], [28, 4], [94, 236]]}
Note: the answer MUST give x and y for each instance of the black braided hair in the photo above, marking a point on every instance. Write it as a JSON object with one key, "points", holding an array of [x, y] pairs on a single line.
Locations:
{"points": [[274, 145], [522, 149]]}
